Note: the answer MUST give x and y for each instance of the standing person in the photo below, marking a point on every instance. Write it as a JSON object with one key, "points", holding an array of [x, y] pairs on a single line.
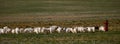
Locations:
{"points": [[106, 25]]}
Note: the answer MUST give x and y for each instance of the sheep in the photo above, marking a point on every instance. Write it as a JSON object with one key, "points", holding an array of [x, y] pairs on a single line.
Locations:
{"points": [[21, 30], [68, 30], [71, 30], [102, 28], [53, 28], [59, 29], [13, 31], [37, 30], [64, 29], [42, 29], [28, 30], [90, 29], [46, 29], [74, 30], [1, 31], [80, 29], [16, 30], [6, 29]]}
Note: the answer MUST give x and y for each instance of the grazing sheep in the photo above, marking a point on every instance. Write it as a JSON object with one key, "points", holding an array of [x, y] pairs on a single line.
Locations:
{"points": [[80, 29], [59, 29], [28, 30], [13, 31], [46, 29], [1, 31], [74, 30], [50, 29], [70, 30], [102, 28], [16, 30], [37, 30], [21, 30], [42, 29], [53, 28], [90, 29], [6, 29]]}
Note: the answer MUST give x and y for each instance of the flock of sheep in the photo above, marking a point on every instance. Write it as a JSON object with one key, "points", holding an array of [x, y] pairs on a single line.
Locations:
{"points": [[50, 29]]}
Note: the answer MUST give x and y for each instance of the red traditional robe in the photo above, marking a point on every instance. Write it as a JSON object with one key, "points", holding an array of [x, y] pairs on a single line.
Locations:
{"points": [[106, 25]]}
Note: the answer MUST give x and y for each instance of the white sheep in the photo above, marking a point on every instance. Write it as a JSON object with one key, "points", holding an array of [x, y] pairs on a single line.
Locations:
{"points": [[80, 29], [28, 30], [16, 30], [70, 30], [53, 28], [101, 28], [44, 29], [37, 30], [1, 31], [6, 29], [21, 30], [50, 29], [13, 31], [90, 29], [74, 30], [59, 29]]}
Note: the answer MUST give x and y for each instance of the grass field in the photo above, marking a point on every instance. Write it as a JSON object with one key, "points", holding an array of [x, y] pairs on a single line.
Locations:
{"points": [[58, 10], [67, 13], [111, 37]]}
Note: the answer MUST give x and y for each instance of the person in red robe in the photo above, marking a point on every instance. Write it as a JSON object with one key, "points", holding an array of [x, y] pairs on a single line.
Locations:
{"points": [[106, 25]]}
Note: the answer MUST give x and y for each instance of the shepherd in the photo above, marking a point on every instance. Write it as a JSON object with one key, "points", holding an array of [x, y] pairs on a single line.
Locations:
{"points": [[106, 25]]}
